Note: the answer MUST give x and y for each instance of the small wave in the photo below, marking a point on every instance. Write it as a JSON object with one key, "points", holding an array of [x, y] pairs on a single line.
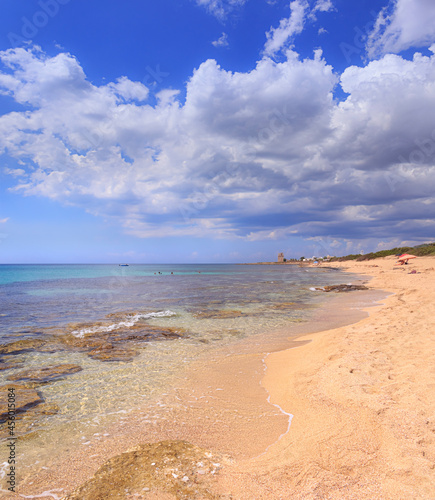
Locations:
{"points": [[131, 321], [315, 289]]}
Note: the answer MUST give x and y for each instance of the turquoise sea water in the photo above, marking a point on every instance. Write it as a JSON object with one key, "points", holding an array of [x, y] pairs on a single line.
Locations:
{"points": [[11, 273], [42, 296]]}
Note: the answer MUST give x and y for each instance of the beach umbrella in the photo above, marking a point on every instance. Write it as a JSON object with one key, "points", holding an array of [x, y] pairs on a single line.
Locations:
{"points": [[403, 259], [407, 256]]}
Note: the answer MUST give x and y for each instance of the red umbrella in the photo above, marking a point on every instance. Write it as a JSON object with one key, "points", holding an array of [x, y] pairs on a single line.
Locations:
{"points": [[403, 259], [407, 256]]}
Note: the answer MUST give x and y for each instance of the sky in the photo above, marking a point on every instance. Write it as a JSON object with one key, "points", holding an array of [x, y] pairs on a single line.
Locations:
{"points": [[214, 130]]}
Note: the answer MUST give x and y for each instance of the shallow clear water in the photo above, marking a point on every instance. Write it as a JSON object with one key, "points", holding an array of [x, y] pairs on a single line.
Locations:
{"points": [[40, 296], [36, 298]]}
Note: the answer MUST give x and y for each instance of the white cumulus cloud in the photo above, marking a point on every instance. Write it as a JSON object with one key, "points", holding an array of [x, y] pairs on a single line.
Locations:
{"points": [[128, 90], [278, 38], [403, 24], [266, 153]]}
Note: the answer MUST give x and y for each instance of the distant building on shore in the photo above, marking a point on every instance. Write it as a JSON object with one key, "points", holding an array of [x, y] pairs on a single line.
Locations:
{"points": [[280, 258]]}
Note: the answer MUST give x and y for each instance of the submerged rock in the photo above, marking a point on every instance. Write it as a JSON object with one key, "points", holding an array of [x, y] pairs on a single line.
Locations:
{"points": [[144, 333], [109, 352], [24, 398], [10, 363], [168, 469], [342, 288], [30, 409], [39, 376], [218, 314], [283, 306], [98, 340], [19, 346], [120, 344], [33, 420]]}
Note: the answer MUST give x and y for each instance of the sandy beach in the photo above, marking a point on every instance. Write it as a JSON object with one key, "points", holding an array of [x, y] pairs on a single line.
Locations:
{"points": [[217, 250], [363, 400], [360, 400]]}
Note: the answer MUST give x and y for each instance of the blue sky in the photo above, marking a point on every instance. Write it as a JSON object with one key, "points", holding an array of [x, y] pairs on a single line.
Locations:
{"points": [[214, 130]]}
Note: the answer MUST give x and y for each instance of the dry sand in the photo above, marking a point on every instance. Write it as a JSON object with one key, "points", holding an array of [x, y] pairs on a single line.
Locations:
{"points": [[362, 398]]}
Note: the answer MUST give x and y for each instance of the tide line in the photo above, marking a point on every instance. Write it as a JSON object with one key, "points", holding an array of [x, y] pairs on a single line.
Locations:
{"points": [[289, 415]]}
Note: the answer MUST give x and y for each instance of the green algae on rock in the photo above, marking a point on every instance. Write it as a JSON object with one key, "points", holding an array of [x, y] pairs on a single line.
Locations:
{"points": [[218, 314], [342, 288], [171, 469]]}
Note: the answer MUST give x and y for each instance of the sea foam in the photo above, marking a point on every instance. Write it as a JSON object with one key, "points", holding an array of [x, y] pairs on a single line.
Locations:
{"points": [[131, 321]]}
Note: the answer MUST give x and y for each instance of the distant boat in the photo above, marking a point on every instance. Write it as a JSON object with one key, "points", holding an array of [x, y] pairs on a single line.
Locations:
{"points": [[123, 265]]}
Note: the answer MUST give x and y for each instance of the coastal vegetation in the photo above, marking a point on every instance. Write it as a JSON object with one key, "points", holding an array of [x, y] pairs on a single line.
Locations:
{"points": [[419, 250], [422, 250]]}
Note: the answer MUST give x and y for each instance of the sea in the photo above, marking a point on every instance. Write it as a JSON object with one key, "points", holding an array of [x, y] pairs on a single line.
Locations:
{"points": [[51, 314]]}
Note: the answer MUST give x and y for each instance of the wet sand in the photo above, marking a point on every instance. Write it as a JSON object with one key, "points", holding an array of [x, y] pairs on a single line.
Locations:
{"points": [[359, 398]]}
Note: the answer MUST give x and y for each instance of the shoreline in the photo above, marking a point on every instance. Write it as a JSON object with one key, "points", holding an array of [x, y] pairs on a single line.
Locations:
{"points": [[227, 426], [364, 424]]}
